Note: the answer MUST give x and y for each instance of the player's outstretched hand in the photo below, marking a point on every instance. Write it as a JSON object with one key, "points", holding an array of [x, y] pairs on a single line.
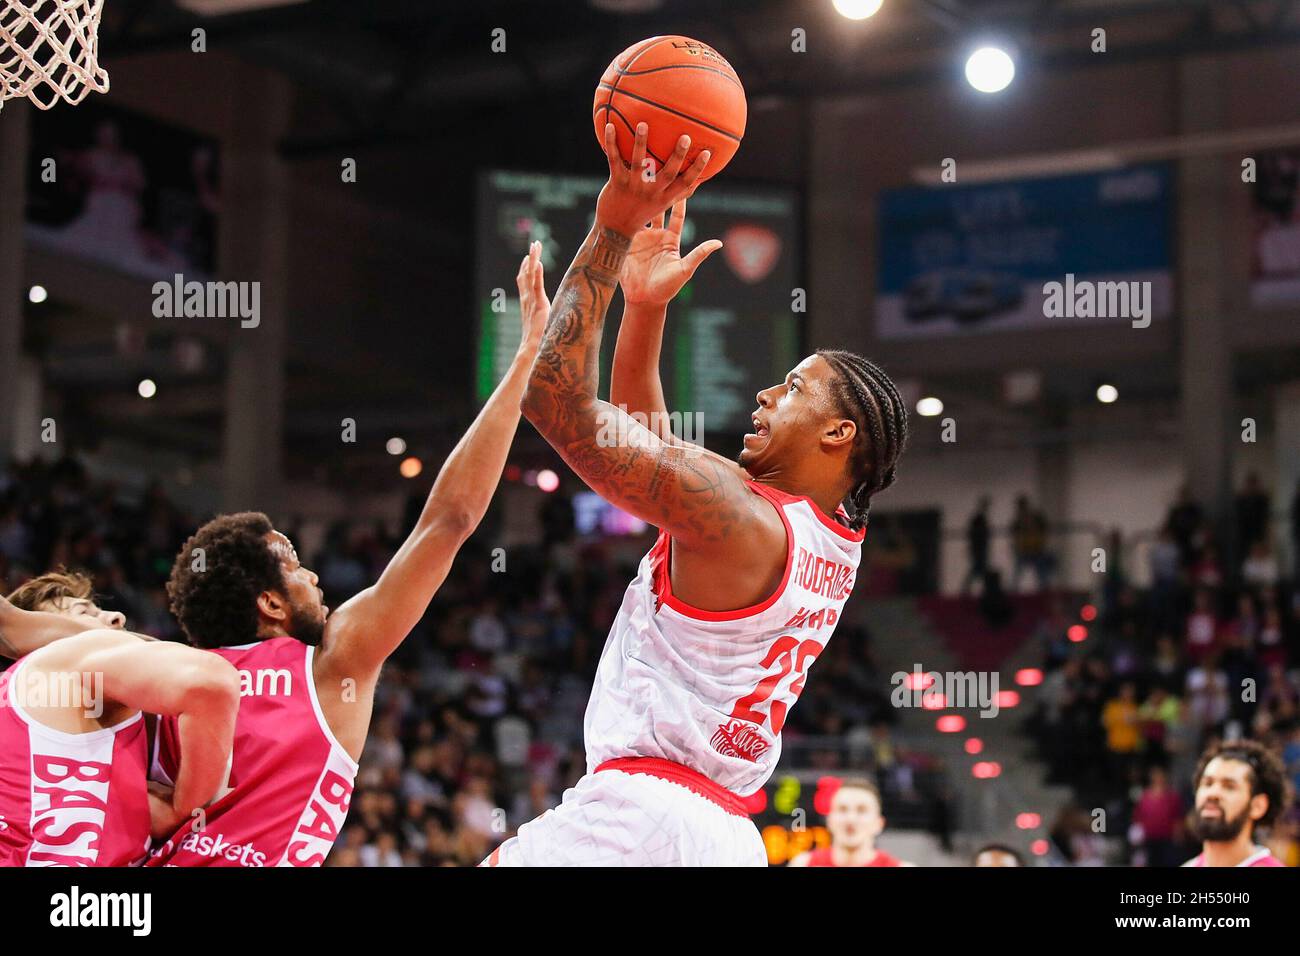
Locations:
{"points": [[637, 194], [655, 270], [534, 306]]}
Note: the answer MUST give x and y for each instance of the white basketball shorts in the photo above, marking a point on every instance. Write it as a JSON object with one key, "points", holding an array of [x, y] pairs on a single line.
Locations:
{"points": [[638, 811]]}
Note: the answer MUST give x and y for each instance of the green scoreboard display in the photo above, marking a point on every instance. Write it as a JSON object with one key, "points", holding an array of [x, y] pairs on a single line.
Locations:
{"points": [[732, 330]]}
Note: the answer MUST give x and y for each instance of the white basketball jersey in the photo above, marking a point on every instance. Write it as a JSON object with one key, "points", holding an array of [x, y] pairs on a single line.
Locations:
{"points": [[711, 689]]}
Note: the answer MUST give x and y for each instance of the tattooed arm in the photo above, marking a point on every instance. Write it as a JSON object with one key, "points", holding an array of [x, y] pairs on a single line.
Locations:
{"points": [[701, 501]]}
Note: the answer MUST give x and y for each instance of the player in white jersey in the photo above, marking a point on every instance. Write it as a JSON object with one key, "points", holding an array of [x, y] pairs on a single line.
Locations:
{"points": [[754, 561]]}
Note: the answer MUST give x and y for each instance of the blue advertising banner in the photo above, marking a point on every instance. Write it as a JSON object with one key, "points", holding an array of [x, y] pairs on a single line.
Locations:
{"points": [[1275, 265], [1002, 256]]}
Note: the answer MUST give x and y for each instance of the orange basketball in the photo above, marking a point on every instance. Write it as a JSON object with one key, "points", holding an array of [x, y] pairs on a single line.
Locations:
{"points": [[675, 85]]}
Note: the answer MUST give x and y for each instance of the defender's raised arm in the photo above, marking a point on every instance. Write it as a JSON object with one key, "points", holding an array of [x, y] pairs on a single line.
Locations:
{"points": [[367, 629]]}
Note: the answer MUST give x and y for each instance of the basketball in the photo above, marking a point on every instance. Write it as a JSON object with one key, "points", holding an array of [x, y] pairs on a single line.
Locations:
{"points": [[675, 85]]}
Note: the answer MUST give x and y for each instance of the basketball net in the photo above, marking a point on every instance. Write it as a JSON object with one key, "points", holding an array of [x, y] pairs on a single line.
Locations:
{"points": [[49, 51]]}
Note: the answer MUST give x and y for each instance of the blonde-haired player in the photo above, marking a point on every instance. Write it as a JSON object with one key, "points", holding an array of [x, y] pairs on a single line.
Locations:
{"points": [[854, 820]]}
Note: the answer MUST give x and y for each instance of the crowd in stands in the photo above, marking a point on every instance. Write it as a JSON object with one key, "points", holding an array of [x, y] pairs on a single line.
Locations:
{"points": [[478, 721], [1209, 651]]}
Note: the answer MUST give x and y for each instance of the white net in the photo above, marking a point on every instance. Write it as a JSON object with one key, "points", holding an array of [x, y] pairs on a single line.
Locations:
{"points": [[49, 50]]}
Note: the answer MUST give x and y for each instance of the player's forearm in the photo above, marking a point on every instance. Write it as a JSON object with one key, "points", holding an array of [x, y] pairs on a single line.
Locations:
{"points": [[561, 396], [635, 385], [205, 733], [22, 632]]}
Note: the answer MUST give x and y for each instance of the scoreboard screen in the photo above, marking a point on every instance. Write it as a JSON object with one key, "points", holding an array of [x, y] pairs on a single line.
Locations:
{"points": [[731, 331]]}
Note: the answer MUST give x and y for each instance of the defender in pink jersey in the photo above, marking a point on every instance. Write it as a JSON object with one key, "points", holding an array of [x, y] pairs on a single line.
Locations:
{"points": [[307, 676], [755, 560], [73, 775], [1240, 786]]}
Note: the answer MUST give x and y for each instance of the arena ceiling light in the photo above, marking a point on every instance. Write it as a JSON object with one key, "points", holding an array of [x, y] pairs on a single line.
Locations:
{"points": [[37, 294], [1107, 394], [990, 69], [929, 407], [548, 480], [857, 9], [395, 445], [147, 388]]}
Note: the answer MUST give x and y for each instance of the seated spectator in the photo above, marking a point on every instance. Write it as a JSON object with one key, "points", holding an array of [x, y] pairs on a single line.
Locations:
{"points": [[1202, 627], [1260, 570], [1165, 562], [1281, 698], [1157, 719], [1158, 821], [1207, 571], [1245, 626], [1207, 695], [1270, 643], [1123, 738], [1166, 665], [381, 851]]}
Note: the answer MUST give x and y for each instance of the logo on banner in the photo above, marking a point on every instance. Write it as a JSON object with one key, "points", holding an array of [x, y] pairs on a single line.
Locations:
{"points": [[751, 251]]}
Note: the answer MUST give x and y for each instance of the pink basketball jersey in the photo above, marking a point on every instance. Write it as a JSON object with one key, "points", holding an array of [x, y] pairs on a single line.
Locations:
{"points": [[290, 781], [1260, 857], [69, 799]]}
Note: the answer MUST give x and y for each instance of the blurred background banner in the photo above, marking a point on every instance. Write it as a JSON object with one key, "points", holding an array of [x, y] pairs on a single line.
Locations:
{"points": [[125, 190], [733, 330], [1275, 274], [959, 258]]}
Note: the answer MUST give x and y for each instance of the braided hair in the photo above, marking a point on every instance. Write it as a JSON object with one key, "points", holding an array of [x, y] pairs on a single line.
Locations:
{"points": [[869, 397]]}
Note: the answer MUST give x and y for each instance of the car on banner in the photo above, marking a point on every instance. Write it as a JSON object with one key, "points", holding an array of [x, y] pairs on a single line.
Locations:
{"points": [[967, 295]]}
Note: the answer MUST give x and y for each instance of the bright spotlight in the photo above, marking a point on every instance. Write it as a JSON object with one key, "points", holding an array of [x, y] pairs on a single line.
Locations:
{"points": [[990, 69], [395, 446], [929, 406], [857, 9], [147, 388], [547, 480], [1107, 394], [37, 294], [411, 467]]}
